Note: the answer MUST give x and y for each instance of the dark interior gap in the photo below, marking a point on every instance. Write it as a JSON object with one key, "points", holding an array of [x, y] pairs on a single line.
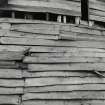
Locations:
{"points": [[85, 10]]}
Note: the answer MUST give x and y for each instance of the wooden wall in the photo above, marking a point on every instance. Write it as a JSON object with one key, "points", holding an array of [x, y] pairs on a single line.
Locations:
{"points": [[44, 63], [72, 7], [97, 10]]}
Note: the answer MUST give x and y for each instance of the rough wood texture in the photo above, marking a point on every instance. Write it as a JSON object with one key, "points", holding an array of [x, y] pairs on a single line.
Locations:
{"points": [[44, 63]]}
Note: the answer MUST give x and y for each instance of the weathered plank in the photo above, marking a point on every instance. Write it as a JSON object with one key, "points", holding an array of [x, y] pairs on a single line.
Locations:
{"points": [[45, 49], [79, 36], [63, 102], [8, 91], [37, 28], [66, 88], [33, 41], [37, 6], [69, 28], [68, 67], [14, 48], [10, 99], [10, 73], [61, 59], [11, 82], [31, 35], [62, 81], [6, 55], [7, 63], [96, 17], [70, 54], [66, 95], [38, 74]]}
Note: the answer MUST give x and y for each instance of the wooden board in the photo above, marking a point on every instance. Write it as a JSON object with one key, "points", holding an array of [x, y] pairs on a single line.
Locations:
{"points": [[66, 88], [45, 49], [59, 74], [40, 6], [78, 36], [32, 41], [10, 99], [8, 91], [10, 73], [51, 81], [63, 102], [67, 67], [37, 28], [64, 59], [11, 82], [64, 96]]}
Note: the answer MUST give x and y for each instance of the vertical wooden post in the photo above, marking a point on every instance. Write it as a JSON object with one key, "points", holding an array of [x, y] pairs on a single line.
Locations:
{"points": [[13, 14], [64, 19], [77, 20], [59, 19]]}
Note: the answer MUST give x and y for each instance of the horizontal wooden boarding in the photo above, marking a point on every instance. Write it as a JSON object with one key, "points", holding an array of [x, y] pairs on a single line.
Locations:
{"points": [[69, 54], [45, 49], [11, 63], [9, 99], [41, 6], [66, 96], [10, 73], [33, 41], [30, 35], [66, 88], [36, 28], [11, 82], [46, 74], [96, 10], [67, 67], [8, 91], [60, 60], [5, 55], [81, 29], [63, 102], [79, 36], [97, 18], [52, 81]]}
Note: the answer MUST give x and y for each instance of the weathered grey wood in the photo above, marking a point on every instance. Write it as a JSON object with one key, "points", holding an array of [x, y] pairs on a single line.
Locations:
{"points": [[11, 82], [38, 74], [63, 102], [4, 55], [99, 18], [10, 73], [31, 35], [62, 81], [67, 67], [10, 99], [32, 41], [70, 54], [62, 49], [7, 63], [78, 36], [85, 30], [14, 48], [37, 6], [98, 5], [66, 95], [36, 28], [8, 91], [66, 88], [64, 59]]}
